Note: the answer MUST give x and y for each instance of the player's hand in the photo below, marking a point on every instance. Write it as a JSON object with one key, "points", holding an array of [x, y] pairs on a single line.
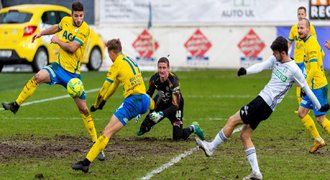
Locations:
{"points": [[327, 44], [302, 93], [156, 116], [36, 36], [55, 39], [241, 71], [94, 107], [324, 108]]}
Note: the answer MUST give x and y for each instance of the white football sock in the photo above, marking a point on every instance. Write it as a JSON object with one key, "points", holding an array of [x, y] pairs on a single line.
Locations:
{"points": [[219, 139], [252, 157]]}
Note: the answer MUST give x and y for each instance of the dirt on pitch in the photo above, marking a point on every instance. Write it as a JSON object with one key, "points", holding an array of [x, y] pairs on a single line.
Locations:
{"points": [[62, 146]]}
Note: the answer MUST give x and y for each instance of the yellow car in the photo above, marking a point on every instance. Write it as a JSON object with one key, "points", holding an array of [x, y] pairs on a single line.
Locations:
{"points": [[19, 23]]}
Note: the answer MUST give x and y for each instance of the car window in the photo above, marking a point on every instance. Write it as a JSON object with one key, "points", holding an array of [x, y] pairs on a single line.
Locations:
{"points": [[13, 17], [62, 14], [49, 17]]}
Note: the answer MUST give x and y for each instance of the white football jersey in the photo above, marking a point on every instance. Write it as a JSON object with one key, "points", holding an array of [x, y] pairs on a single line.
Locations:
{"points": [[283, 76]]}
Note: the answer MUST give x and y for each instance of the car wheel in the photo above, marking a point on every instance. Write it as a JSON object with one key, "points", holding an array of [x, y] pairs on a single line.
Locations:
{"points": [[40, 59], [1, 66], [95, 59]]}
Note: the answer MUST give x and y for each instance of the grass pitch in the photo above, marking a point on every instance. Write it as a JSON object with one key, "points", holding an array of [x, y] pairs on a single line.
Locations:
{"points": [[43, 139]]}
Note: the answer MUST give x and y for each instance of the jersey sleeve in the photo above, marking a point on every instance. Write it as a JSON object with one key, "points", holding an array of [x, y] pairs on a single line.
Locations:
{"points": [[61, 23], [176, 85], [152, 86], [298, 77], [112, 73], [268, 64], [82, 35]]}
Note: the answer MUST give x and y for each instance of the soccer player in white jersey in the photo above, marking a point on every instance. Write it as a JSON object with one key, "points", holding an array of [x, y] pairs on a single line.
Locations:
{"points": [[284, 73]]}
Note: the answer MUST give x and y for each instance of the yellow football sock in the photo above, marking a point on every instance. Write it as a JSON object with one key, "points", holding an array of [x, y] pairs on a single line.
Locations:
{"points": [[89, 124], [98, 146], [310, 126], [27, 91], [298, 93], [326, 125]]}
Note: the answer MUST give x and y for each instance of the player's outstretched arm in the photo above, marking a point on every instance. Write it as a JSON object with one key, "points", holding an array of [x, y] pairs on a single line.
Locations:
{"points": [[51, 30], [256, 68], [107, 90]]}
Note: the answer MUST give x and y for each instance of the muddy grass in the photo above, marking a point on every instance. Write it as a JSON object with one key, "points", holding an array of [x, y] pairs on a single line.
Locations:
{"points": [[62, 146]]}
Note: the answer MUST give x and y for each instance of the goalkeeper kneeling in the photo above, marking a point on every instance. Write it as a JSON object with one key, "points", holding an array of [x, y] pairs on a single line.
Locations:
{"points": [[168, 103]]}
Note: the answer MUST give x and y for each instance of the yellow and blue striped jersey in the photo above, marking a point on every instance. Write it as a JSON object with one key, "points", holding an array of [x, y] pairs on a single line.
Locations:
{"points": [[126, 72], [314, 63], [71, 61], [299, 51]]}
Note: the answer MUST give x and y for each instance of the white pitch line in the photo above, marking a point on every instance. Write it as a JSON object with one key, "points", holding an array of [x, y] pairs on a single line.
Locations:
{"points": [[170, 163], [52, 99], [178, 158]]}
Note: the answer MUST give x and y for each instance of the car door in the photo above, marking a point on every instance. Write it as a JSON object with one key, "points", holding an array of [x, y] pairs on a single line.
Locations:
{"points": [[48, 19]]}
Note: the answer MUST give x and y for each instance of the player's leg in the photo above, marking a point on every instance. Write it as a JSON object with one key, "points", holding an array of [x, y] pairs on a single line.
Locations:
{"points": [[41, 77], [325, 123], [87, 118], [322, 96], [146, 126], [88, 121], [112, 128], [132, 106], [180, 133], [222, 136], [308, 122], [147, 123], [250, 152]]}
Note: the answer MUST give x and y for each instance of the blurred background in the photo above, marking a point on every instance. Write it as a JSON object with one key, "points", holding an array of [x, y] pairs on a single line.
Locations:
{"points": [[211, 34]]}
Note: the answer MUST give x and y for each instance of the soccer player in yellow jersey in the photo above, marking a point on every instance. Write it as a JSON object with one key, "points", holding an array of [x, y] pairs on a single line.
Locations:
{"points": [[72, 39], [298, 55], [126, 72], [317, 81]]}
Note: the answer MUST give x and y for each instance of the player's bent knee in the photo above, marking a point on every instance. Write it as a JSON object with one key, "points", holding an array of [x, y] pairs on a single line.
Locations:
{"points": [[233, 121], [301, 114], [41, 77], [320, 119], [245, 136]]}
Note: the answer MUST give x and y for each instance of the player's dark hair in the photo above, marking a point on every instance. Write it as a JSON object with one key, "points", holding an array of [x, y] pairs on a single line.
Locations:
{"points": [[77, 6], [114, 45], [280, 44], [164, 60], [303, 8]]}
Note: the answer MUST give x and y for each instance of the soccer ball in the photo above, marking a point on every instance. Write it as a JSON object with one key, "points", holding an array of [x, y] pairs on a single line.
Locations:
{"points": [[75, 87]]}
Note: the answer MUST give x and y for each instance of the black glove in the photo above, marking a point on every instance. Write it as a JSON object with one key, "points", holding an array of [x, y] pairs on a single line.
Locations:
{"points": [[302, 93], [93, 108], [324, 108], [241, 71]]}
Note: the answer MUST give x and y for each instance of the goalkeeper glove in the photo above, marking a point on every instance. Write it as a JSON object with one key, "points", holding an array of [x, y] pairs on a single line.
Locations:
{"points": [[156, 116], [324, 108], [241, 71], [94, 108]]}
